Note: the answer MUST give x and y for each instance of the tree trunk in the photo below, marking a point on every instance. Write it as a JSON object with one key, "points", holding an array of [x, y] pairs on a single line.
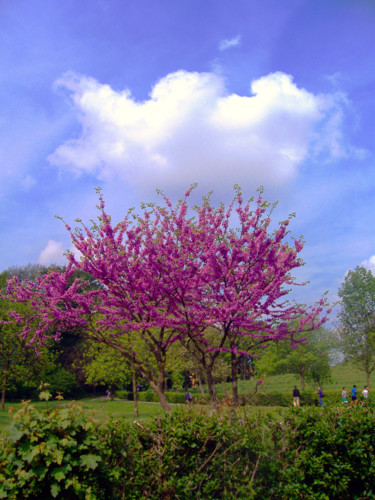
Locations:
{"points": [[159, 389], [3, 390], [135, 394], [162, 397], [234, 367], [211, 387], [368, 373], [200, 380], [302, 381]]}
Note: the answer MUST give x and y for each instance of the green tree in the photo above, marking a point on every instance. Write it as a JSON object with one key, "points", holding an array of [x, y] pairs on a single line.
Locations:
{"points": [[106, 366], [19, 363], [357, 319], [309, 359]]}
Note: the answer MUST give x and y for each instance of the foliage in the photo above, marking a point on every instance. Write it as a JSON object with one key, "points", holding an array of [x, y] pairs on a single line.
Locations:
{"points": [[105, 366], [229, 453], [325, 454], [19, 363], [52, 454], [188, 455], [60, 380], [308, 358], [357, 318]]}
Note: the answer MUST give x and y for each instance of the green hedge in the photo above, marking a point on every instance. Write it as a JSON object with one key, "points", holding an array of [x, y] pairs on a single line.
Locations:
{"points": [[285, 399], [151, 396], [325, 453], [62, 453]]}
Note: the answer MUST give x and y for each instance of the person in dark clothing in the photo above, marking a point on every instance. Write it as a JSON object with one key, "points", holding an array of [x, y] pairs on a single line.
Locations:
{"points": [[296, 396], [321, 396]]}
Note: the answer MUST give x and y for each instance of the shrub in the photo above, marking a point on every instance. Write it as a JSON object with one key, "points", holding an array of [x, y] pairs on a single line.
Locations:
{"points": [[148, 395], [176, 397], [187, 454], [326, 453], [52, 454], [128, 396]]}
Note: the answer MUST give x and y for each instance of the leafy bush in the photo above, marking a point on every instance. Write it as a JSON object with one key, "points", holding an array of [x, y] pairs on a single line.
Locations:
{"points": [[148, 395], [52, 454], [176, 397], [325, 453], [187, 454], [128, 396]]}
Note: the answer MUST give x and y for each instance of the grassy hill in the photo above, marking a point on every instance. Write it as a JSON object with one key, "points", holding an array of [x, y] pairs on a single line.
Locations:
{"points": [[345, 374]]}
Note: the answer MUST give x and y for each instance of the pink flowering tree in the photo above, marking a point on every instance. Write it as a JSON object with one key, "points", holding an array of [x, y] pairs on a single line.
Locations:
{"points": [[166, 276], [145, 266], [245, 277]]}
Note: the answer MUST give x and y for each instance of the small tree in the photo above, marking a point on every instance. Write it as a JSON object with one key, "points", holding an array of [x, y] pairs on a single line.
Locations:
{"points": [[309, 361], [357, 319]]}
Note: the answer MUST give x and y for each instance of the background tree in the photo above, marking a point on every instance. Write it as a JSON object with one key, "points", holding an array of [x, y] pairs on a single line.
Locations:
{"points": [[309, 361], [19, 363], [357, 319]]}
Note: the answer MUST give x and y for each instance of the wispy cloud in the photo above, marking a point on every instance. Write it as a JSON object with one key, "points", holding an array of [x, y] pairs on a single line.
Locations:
{"points": [[229, 43]]}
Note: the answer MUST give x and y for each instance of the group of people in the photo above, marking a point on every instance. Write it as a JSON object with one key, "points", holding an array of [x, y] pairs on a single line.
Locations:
{"points": [[354, 393], [344, 395]]}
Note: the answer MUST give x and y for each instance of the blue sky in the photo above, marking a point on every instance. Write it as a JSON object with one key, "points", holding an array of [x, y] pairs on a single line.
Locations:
{"points": [[144, 94]]}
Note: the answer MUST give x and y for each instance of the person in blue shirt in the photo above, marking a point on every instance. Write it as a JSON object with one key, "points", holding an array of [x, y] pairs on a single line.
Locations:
{"points": [[354, 396], [321, 396]]}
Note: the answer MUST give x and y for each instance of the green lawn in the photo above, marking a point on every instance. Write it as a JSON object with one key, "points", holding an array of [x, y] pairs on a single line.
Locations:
{"points": [[101, 409], [342, 375]]}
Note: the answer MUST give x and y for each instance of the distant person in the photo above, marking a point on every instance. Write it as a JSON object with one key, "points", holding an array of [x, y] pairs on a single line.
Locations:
{"points": [[365, 395], [321, 396], [188, 397], [354, 396], [296, 396], [344, 396]]}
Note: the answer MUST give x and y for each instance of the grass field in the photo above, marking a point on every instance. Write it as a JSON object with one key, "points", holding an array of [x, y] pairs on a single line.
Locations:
{"points": [[342, 375], [102, 409]]}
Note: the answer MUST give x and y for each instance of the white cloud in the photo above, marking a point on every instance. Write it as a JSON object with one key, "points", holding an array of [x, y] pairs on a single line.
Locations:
{"points": [[53, 253], [230, 43], [190, 129], [369, 264]]}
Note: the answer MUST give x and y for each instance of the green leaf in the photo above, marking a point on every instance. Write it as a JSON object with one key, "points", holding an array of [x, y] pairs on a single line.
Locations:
{"points": [[55, 489], [58, 474], [90, 461]]}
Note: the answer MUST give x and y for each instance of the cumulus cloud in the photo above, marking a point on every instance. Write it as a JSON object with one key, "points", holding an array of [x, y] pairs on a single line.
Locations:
{"points": [[191, 129], [230, 43], [370, 264], [53, 253]]}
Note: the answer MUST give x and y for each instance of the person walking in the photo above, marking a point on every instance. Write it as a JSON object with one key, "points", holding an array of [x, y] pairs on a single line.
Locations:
{"points": [[344, 396], [354, 396], [321, 396], [296, 396], [365, 395]]}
